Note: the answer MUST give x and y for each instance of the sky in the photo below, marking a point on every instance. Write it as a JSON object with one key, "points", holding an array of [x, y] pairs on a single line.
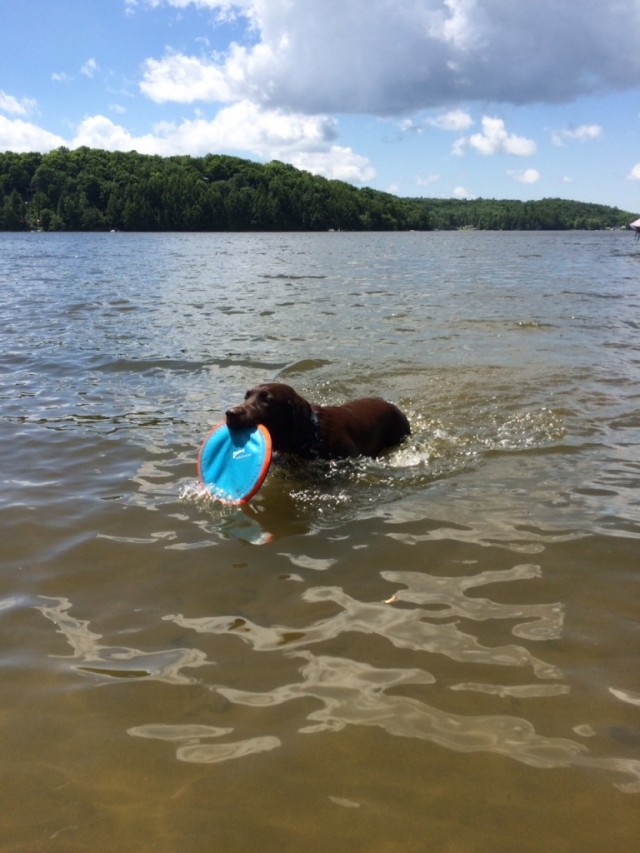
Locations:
{"points": [[521, 99]]}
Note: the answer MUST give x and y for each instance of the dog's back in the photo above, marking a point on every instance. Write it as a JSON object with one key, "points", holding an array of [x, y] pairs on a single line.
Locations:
{"points": [[364, 427]]}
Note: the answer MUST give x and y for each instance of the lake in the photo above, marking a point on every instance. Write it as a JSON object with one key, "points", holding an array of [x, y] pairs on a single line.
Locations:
{"points": [[436, 650]]}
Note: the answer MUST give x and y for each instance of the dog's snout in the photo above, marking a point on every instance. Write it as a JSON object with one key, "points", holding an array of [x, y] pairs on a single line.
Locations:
{"points": [[239, 417]]}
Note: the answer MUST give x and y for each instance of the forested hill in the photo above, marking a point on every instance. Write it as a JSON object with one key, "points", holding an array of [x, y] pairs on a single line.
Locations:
{"points": [[92, 190]]}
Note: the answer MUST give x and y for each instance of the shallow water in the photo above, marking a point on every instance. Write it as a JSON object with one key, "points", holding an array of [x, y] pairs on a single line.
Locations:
{"points": [[436, 650]]}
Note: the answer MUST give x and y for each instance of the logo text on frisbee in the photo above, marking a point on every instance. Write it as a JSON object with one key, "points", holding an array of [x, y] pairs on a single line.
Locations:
{"points": [[242, 453]]}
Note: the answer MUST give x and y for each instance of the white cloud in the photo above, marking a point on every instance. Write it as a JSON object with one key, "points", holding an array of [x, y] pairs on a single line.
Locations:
{"points": [[461, 192], [220, 5], [494, 139], [420, 54], [308, 142], [316, 58], [185, 79], [90, 68], [337, 162], [100, 132], [455, 120], [245, 126], [18, 135], [60, 77], [458, 147], [298, 62], [526, 176], [583, 133], [426, 182], [634, 174], [16, 106]]}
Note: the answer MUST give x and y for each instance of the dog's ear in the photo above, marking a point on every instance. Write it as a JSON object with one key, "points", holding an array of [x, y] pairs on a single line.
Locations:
{"points": [[300, 412]]}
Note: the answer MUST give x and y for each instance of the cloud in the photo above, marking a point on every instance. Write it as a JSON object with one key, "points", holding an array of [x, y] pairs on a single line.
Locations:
{"points": [[100, 132], [186, 79], [308, 142], [273, 92], [425, 61], [583, 133], [461, 192], [426, 182], [634, 174], [90, 68], [494, 139], [368, 57], [526, 176], [338, 162], [20, 136], [16, 106], [455, 120]]}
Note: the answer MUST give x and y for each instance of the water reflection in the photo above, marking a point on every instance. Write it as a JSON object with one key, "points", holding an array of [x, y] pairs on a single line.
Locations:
{"points": [[544, 621], [192, 749], [402, 627], [105, 663], [351, 692]]}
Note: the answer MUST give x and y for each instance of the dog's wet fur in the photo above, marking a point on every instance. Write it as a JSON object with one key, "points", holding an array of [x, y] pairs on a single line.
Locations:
{"points": [[364, 427]]}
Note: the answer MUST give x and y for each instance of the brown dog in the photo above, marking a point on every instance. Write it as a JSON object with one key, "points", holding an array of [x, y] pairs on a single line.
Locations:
{"points": [[363, 427]]}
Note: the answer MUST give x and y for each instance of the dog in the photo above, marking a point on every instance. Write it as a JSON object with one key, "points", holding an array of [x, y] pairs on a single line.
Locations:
{"points": [[365, 427]]}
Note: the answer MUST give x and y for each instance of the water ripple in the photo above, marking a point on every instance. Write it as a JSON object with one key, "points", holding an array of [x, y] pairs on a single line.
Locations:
{"points": [[449, 593], [353, 693], [116, 662], [402, 627], [193, 751]]}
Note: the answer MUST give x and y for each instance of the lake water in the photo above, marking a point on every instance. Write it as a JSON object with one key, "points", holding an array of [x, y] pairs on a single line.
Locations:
{"points": [[438, 650]]}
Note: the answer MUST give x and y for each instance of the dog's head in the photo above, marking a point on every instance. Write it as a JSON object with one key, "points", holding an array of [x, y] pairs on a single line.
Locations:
{"points": [[287, 415]]}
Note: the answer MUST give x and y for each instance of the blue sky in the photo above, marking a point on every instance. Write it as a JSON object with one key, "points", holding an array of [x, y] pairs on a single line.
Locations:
{"points": [[518, 99]]}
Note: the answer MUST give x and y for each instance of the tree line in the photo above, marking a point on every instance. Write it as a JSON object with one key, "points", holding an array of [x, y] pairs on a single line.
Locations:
{"points": [[548, 214], [88, 189]]}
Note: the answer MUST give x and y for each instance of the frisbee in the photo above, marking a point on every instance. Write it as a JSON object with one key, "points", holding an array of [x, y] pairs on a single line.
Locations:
{"points": [[232, 463]]}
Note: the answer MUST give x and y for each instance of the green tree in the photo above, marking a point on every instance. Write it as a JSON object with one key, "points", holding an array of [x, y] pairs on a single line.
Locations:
{"points": [[13, 216]]}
